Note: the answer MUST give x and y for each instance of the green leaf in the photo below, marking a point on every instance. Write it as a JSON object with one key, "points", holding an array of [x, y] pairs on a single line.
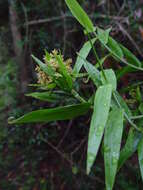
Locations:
{"points": [[141, 108], [112, 143], [41, 86], [64, 72], [53, 114], [80, 15], [130, 58], [119, 52], [124, 70], [114, 48], [123, 104], [111, 78], [130, 147], [83, 53], [140, 156], [99, 117], [94, 74], [102, 60], [45, 96], [103, 35], [47, 69], [47, 55]]}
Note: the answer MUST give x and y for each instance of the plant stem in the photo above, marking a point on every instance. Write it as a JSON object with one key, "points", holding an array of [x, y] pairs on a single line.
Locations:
{"points": [[77, 96], [137, 117], [95, 53], [126, 116]]}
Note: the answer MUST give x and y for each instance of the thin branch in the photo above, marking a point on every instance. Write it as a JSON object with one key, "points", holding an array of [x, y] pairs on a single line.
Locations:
{"points": [[46, 20], [123, 30], [70, 161], [57, 18], [66, 133]]}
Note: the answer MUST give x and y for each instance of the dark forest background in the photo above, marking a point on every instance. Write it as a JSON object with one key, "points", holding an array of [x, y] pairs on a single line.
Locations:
{"points": [[57, 162]]}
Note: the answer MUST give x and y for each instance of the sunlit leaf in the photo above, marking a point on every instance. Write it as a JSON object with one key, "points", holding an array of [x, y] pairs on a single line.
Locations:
{"points": [[99, 117]]}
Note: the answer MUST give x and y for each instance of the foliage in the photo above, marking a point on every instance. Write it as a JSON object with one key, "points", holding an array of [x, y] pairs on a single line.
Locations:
{"points": [[110, 111]]}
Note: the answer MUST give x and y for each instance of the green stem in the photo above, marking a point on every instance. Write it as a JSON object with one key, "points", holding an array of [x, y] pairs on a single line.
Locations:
{"points": [[137, 117], [126, 116], [77, 96], [95, 53]]}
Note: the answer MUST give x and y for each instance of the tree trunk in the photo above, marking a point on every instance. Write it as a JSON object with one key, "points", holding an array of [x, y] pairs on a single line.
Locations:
{"points": [[17, 46]]}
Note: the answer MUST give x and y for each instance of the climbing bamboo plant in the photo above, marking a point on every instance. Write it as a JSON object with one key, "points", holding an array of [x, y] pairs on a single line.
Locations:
{"points": [[110, 113]]}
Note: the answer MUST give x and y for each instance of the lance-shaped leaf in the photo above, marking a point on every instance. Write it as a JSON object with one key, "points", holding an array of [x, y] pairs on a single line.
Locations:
{"points": [[103, 35], [45, 96], [99, 117], [80, 15], [82, 55], [94, 74], [114, 48], [120, 102], [53, 114], [130, 147], [64, 72], [130, 57], [140, 156], [122, 54], [112, 143], [46, 68], [110, 78], [124, 70]]}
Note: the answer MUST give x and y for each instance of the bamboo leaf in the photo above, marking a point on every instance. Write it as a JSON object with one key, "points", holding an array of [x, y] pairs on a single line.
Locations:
{"points": [[112, 143], [140, 156], [103, 35], [118, 52], [114, 48], [47, 69], [130, 147], [125, 70], [45, 96], [94, 74], [83, 53], [123, 104], [102, 60], [130, 57], [110, 78], [64, 72], [53, 114], [99, 117], [80, 15]]}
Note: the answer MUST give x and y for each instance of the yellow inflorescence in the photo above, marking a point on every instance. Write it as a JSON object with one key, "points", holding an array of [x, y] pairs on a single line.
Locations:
{"points": [[43, 78]]}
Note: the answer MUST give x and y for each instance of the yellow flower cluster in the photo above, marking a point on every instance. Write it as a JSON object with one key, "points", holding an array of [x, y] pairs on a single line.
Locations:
{"points": [[43, 78]]}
